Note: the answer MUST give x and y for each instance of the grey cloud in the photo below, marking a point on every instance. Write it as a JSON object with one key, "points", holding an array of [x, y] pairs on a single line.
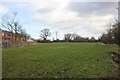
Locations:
{"points": [[44, 11], [95, 8], [80, 17]]}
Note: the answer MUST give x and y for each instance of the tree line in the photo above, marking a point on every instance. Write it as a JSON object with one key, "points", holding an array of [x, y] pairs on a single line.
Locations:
{"points": [[69, 37], [112, 36]]}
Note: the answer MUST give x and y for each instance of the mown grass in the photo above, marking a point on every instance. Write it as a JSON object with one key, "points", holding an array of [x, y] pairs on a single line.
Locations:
{"points": [[58, 60]]}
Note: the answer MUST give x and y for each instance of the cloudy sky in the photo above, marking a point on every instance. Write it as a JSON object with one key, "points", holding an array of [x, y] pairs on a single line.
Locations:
{"points": [[64, 16]]}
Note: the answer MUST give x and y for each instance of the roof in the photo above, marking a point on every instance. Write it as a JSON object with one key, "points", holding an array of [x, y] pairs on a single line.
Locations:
{"points": [[11, 32], [6, 31]]}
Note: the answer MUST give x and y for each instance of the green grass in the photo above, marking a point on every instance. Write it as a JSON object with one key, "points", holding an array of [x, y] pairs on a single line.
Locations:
{"points": [[58, 60]]}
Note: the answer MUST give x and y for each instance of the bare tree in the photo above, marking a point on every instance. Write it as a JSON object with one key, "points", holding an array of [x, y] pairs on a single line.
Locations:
{"points": [[92, 39], [17, 28], [68, 37], [8, 21], [112, 35], [45, 33], [75, 35], [24, 34]]}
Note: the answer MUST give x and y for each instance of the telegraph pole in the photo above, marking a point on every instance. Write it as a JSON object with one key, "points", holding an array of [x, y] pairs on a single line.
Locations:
{"points": [[56, 35]]}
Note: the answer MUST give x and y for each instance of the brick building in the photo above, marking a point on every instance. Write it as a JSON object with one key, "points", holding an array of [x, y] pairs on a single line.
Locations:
{"points": [[6, 35]]}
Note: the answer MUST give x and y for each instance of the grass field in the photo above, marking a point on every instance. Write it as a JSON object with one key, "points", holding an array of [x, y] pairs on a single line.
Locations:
{"points": [[58, 60]]}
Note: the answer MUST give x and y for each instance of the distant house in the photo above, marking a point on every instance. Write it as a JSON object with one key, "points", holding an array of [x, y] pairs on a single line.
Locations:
{"points": [[30, 40], [7, 35]]}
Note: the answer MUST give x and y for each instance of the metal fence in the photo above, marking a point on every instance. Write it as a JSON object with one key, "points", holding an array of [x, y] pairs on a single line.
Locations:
{"points": [[12, 43]]}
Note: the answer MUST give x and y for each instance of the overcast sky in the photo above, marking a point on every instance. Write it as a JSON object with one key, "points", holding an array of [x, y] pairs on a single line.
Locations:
{"points": [[64, 16]]}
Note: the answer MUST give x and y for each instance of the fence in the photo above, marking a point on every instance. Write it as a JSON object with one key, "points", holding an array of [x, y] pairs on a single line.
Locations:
{"points": [[12, 43]]}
